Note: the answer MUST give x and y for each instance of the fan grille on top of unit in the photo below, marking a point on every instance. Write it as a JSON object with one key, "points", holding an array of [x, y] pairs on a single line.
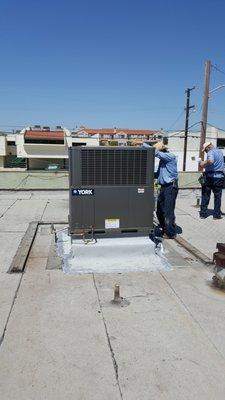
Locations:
{"points": [[114, 166]]}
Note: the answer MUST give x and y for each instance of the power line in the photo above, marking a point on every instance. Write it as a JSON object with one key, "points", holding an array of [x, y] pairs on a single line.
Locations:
{"points": [[191, 134], [182, 130], [177, 119], [213, 126], [179, 116], [218, 69]]}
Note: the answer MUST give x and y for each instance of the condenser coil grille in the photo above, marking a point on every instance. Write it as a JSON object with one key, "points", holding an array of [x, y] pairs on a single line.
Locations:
{"points": [[114, 167]]}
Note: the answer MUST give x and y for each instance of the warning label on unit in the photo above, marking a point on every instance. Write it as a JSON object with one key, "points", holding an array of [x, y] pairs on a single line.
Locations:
{"points": [[112, 223], [141, 190]]}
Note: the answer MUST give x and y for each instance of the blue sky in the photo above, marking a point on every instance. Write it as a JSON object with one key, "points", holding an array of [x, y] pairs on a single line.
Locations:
{"points": [[109, 63]]}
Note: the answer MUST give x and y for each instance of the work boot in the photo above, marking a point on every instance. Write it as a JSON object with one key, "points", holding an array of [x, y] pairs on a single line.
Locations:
{"points": [[165, 236]]}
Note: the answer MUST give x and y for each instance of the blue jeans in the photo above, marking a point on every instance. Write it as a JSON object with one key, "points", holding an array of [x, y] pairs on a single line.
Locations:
{"points": [[166, 207], [215, 185]]}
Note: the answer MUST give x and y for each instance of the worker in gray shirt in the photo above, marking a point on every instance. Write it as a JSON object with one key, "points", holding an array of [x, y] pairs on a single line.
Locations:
{"points": [[213, 179]]}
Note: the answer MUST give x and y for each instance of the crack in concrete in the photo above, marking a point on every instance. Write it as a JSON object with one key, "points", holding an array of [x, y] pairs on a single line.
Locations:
{"points": [[142, 295], [115, 365], [46, 205], [192, 316], [10, 311], [7, 209], [3, 231]]}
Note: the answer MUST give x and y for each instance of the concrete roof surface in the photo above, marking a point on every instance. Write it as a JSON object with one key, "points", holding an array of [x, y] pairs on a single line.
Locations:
{"points": [[62, 338]]}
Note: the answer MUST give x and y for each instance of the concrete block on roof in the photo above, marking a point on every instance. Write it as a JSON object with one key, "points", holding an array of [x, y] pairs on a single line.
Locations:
{"points": [[9, 245], [161, 351], [21, 214], [60, 349], [8, 288], [33, 180], [56, 210], [5, 205], [14, 195], [204, 301]]}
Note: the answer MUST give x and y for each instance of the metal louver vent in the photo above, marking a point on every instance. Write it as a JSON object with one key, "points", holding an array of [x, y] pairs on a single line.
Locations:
{"points": [[114, 167]]}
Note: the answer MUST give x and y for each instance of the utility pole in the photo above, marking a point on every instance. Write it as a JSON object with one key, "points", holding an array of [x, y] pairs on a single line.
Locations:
{"points": [[188, 107], [205, 108]]}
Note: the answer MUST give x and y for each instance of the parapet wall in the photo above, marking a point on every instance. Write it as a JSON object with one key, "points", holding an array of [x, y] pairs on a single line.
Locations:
{"points": [[34, 180], [45, 180]]}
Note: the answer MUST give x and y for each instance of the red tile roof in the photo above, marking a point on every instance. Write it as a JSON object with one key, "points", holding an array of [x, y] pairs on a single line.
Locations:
{"points": [[111, 131], [48, 135]]}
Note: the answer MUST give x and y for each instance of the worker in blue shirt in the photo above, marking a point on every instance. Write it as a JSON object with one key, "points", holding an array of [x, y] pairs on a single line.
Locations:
{"points": [[167, 177], [213, 179]]}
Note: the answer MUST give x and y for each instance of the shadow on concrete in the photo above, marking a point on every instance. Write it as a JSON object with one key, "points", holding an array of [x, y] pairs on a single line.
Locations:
{"points": [[210, 212]]}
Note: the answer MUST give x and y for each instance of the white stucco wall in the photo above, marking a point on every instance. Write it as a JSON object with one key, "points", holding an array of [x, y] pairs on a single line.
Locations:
{"points": [[176, 139], [191, 160], [3, 150], [36, 150], [1, 161], [176, 146], [89, 141], [191, 163]]}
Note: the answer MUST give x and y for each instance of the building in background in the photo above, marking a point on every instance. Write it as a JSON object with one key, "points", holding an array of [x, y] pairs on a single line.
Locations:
{"points": [[40, 148], [8, 151], [80, 138], [121, 136], [43, 148], [176, 145]]}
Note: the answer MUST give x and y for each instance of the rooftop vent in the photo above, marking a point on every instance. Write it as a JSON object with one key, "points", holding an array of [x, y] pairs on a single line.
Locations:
{"points": [[46, 128]]}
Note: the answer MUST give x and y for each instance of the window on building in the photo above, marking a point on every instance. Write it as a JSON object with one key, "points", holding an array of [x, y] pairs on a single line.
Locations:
{"points": [[221, 143], [44, 141], [12, 161], [11, 142]]}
